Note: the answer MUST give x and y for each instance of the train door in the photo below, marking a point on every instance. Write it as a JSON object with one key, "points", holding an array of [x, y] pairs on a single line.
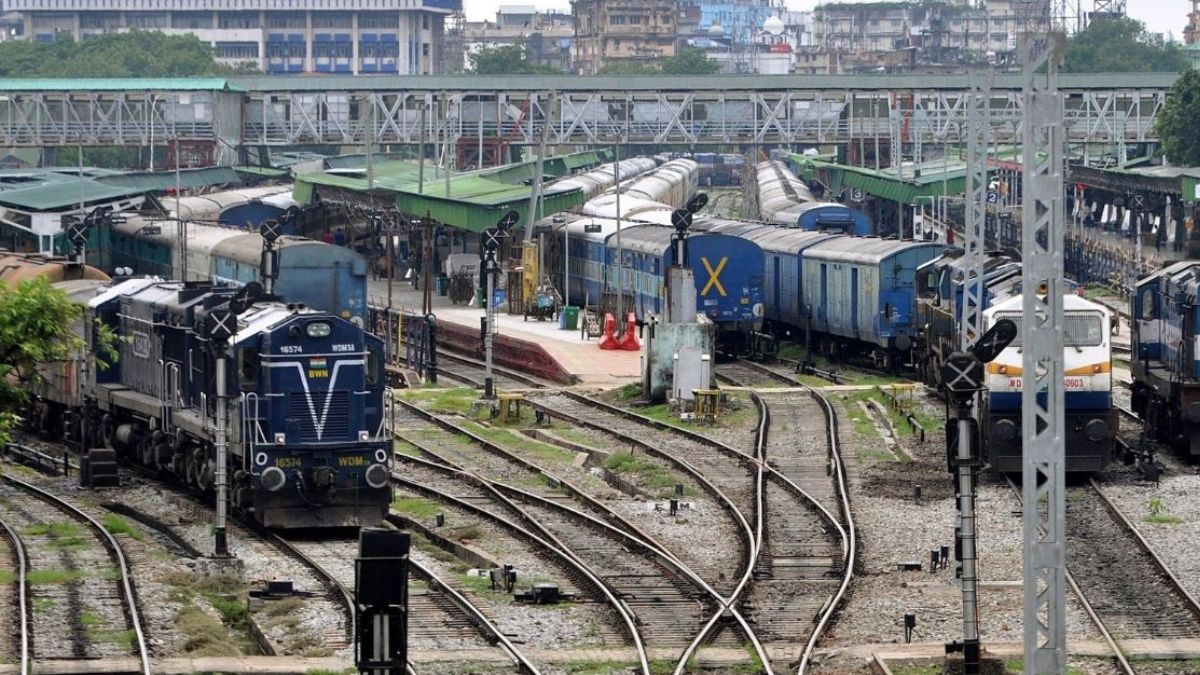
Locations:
{"points": [[854, 301], [775, 295], [822, 307]]}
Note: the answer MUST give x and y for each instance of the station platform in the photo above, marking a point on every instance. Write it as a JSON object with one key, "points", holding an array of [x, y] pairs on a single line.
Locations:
{"points": [[537, 347]]}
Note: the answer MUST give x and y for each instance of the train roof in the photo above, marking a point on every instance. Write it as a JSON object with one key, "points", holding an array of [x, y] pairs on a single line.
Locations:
{"points": [[17, 267], [1168, 271], [869, 250], [209, 206], [247, 248], [1071, 303], [126, 287]]}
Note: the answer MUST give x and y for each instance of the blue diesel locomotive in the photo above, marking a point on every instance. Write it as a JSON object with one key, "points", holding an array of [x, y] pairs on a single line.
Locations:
{"points": [[1166, 359], [309, 444]]}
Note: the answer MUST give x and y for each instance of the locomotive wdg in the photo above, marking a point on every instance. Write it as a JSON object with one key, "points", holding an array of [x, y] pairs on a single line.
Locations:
{"points": [[309, 439]]}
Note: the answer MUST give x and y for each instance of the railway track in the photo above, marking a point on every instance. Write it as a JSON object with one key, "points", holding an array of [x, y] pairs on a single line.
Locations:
{"points": [[74, 591], [471, 372], [671, 603], [1125, 587], [699, 451]]}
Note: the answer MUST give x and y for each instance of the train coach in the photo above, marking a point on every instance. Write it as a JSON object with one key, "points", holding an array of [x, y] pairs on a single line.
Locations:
{"points": [[727, 269], [313, 273], [309, 445], [652, 196], [861, 293], [784, 199], [595, 182]]}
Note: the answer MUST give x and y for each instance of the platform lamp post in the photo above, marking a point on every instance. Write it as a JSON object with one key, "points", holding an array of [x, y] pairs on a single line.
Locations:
{"points": [[221, 326], [493, 237]]}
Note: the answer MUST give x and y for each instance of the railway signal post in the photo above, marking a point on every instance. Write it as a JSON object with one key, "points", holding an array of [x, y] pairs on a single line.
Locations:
{"points": [[221, 325], [492, 239], [963, 375]]}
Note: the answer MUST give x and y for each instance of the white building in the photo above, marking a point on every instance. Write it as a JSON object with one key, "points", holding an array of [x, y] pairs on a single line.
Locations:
{"points": [[279, 36]]}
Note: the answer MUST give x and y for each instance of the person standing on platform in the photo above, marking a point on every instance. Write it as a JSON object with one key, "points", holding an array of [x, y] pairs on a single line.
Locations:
{"points": [[339, 238], [327, 236]]}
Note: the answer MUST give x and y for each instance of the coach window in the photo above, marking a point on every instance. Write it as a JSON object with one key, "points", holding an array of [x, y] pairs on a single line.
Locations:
{"points": [[248, 365]]}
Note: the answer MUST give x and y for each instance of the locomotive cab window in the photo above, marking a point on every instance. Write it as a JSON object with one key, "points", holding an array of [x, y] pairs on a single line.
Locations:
{"points": [[249, 362], [1148, 303], [374, 364]]}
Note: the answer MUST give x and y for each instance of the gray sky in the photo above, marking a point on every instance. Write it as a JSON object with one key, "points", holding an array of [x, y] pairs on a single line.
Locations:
{"points": [[1161, 16]]}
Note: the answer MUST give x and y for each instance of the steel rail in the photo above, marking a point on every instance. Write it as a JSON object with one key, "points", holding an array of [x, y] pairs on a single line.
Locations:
{"points": [[1122, 662], [22, 593], [631, 533], [557, 549], [481, 621], [851, 559], [114, 548]]}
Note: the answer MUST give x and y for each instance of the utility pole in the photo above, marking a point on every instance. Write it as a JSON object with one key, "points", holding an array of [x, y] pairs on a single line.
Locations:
{"points": [[181, 223], [1042, 419]]}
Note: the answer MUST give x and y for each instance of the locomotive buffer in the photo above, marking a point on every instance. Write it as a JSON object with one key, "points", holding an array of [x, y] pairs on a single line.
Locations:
{"points": [[963, 374]]}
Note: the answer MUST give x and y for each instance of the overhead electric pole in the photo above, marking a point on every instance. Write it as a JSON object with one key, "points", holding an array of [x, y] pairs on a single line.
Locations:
{"points": [[1042, 420]]}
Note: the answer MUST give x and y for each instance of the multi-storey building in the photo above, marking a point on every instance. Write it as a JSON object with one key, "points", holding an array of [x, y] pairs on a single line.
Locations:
{"points": [[278, 36], [922, 33], [615, 31], [547, 36]]}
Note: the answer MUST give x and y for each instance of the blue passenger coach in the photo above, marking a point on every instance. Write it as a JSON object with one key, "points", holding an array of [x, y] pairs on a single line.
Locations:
{"points": [[862, 291]]}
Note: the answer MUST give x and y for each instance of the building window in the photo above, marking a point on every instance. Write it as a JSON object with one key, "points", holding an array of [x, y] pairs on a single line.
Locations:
{"points": [[237, 20], [331, 20], [237, 50], [286, 20], [425, 49], [616, 20], [370, 20]]}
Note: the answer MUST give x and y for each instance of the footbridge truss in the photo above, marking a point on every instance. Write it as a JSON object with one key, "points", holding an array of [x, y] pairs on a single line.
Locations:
{"points": [[295, 111]]}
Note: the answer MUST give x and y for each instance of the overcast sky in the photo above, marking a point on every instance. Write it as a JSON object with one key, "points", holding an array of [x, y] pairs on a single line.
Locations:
{"points": [[1161, 16]]}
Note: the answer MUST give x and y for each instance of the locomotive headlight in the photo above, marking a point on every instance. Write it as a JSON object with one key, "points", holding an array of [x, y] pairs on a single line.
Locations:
{"points": [[1003, 370], [318, 329], [1005, 430], [1096, 430], [272, 478], [376, 475]]}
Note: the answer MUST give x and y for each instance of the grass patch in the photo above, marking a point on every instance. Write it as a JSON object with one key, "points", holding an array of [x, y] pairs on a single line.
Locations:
{"points": [[1163, 519], [403, 447], [123, 638], [233, 610], [456, 401], [42, 604], [482, 586], [204, 635], [736, 413], [437, 552], [8, 577], [650, 474], [53, 576], [422, 508], [847, 374], [465, 533], [1017, 666], [117, 525], [526, 445], [573, 435]]}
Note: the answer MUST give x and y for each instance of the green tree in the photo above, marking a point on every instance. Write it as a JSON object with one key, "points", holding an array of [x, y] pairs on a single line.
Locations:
{"points": [[37, 327], [686, 61], [133, 54], [507, 60], [690, 61], [1121, 46], [1179, 119]]}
